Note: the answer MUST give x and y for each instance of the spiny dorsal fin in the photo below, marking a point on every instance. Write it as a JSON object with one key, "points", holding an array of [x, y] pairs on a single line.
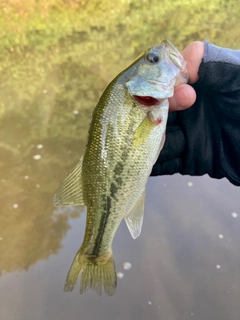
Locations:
{"points": [[70, 191], [134, 219]]}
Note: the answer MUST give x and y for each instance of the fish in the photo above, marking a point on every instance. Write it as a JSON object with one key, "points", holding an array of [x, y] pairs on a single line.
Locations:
{"points": [[126, 135]]}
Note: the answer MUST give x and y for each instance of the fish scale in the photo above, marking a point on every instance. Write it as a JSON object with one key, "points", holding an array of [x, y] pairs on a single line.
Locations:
{"points": [[126, 134]]}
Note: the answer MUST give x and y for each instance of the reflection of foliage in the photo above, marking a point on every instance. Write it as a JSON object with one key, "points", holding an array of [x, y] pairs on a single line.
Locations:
{"points": [[56, 57], [29, 228], [23, 240]]}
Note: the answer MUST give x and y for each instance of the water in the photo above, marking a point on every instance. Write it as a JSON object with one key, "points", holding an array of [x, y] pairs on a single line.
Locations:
{"points": [[54, 65]]}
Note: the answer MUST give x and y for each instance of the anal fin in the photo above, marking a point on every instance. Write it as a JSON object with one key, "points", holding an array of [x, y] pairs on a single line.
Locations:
{"points": [[134, 219]]}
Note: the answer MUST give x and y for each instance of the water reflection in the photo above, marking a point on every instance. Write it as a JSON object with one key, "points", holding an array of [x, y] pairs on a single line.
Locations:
{"points": [[54, 65], [174, 262]]}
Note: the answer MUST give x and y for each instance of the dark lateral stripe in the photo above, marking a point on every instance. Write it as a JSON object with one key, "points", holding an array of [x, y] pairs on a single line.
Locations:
{"points": [[105, 214], [107, 207]]}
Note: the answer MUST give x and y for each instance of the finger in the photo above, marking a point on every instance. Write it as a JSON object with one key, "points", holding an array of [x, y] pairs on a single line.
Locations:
{"points": [[193, 54], [184, 97]]}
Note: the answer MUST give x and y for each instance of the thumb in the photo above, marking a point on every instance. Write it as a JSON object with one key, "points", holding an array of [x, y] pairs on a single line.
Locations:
{"points": [[193, 55]]}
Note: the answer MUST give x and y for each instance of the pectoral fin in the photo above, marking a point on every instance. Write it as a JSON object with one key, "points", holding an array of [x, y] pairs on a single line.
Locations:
{"points": [[70, 191], [134, 219]]}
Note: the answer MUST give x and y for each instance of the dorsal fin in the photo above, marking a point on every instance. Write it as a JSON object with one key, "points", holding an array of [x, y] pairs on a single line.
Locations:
{"points": [[134, 219], [70, 192]]}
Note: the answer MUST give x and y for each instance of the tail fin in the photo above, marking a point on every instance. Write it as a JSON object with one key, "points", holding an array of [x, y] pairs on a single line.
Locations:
{"points": [[96, 273]]}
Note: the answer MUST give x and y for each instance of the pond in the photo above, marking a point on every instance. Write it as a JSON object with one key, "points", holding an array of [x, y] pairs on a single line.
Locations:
{"points": [[56, 59]]}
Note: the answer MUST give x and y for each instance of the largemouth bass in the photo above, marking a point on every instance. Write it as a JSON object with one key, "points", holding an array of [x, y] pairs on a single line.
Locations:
{"points": [[126, 134]]}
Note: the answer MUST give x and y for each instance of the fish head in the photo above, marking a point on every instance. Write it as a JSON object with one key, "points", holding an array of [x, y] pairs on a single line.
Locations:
{"points": [[156, 72]]}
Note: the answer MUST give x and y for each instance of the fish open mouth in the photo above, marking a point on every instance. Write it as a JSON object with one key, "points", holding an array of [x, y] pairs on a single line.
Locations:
{"points": [[147, 101]]}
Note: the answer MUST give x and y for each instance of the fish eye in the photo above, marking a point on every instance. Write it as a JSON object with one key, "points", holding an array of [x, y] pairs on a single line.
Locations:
{"points": [[152, 57]]}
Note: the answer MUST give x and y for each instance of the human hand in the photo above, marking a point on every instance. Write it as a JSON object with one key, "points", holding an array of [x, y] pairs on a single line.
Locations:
{"points": [[173, 156], [205, 138], [184, 94]]}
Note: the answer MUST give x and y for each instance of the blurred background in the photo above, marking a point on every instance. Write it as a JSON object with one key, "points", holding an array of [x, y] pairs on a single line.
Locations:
{"points": [[56, 57]]}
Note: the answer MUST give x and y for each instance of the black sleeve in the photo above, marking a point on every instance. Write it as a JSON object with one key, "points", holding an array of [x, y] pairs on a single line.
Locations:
{"points": [[206, 137]]}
